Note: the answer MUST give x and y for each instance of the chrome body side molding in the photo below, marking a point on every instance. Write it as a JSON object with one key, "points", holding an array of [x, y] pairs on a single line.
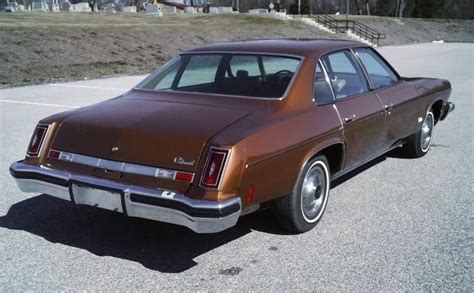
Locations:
{"points": [[110, 165]]}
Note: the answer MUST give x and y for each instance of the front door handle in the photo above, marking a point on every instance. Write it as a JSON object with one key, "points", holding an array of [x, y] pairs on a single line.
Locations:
{"points": [[350, 118]]}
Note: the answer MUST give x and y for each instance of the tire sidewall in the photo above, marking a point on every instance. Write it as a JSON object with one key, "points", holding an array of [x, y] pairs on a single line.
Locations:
{"points": [[301, 220], [420, 143]]}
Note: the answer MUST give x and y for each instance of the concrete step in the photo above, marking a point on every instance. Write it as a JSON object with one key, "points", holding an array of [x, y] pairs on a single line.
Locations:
{"points": [[322, 27]]}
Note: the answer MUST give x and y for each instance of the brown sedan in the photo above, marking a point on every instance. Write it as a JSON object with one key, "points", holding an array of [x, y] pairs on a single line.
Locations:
{"points": [[226, 129]]}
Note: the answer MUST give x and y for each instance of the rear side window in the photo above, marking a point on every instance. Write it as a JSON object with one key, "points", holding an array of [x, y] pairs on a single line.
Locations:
{"points": [[379, 72], [345, 74], [168, 77], [322, 90]]}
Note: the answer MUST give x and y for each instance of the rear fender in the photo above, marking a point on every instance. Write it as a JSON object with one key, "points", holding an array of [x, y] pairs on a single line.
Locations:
{"points": [[277, 174], [319, 149]]}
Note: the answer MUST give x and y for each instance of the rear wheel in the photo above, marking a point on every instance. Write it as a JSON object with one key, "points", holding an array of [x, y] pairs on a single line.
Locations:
{"points": [[301, 210], [419, 144]]}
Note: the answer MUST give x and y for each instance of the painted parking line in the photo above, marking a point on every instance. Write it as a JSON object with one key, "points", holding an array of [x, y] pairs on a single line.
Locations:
{"points": [[88, 87], [37, 104]]}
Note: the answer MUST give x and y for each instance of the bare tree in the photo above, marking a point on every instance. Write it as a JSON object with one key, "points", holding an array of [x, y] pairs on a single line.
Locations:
{"points": [[401, 8]]}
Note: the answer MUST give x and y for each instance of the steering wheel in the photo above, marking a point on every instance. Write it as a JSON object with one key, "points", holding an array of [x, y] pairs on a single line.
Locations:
{"points": [[283, 71], [281, 74]]}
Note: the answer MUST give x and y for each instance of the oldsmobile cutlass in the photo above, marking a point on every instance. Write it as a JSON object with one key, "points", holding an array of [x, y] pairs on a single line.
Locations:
{"points": [[226, 129]]}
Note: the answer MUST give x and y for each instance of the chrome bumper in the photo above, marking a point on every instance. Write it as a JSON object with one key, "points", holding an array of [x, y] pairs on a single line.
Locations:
{"points": [[447, 108], [201, 216]]}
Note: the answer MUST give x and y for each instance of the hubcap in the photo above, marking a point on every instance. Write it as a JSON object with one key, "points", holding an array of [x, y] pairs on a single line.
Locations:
{"points": [[427, 132], [314, 192]]}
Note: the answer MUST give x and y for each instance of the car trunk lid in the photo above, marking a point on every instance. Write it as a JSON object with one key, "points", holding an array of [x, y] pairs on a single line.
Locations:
{"points": [[160, 134]]}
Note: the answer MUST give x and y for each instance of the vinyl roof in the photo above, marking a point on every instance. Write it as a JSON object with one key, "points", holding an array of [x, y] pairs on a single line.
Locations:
{"points": [[298, 47]]}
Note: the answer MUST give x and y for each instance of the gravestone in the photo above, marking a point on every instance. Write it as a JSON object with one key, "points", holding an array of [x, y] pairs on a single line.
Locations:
{"points": [[153, 9], [129, 9], [80, 7], [65, 6], [110, 8], [225, 9], [168, 9], [258, 11], [189, 10], [39, 6]]}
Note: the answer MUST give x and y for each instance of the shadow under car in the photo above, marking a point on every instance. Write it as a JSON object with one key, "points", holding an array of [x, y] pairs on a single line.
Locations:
{"points": [[157, 246]]}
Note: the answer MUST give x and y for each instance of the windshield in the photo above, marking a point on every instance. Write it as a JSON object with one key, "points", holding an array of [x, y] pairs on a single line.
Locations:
{"points": [[248, 75]]}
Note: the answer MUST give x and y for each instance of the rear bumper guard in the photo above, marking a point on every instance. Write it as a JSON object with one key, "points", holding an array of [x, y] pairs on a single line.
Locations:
{"points": [[201, 216], [447, 108]]}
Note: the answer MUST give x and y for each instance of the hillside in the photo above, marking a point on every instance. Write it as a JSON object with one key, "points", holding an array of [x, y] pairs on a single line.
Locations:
{"points": [[415, 30], [39, 48]]}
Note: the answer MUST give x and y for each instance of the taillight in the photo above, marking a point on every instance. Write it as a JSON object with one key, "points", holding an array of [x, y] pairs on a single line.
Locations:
{"points": [[54, 154], [250, 193], [214, 168], [184, 176], [37, 140]]}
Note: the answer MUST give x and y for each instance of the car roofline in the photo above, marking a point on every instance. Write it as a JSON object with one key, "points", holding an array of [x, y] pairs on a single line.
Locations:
{"points": [[243, 52]]}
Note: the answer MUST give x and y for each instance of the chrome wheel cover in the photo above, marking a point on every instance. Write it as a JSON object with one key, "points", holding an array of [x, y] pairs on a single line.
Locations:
{"points": [[314, 191], [427, 132]]}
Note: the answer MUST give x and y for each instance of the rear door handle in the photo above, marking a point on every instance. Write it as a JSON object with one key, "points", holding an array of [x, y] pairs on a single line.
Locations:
{"points": [[388, 106], [350, 118]]}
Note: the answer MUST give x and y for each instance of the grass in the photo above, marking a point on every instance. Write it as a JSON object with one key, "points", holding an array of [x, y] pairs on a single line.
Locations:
{"points": [[99, 20], [45, 47], [42, 47]]}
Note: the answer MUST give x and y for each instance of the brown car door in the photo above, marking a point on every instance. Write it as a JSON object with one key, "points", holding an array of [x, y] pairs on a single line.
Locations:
{"points": [[361, 112], [363, 119], [397, 96], [402, 112]]}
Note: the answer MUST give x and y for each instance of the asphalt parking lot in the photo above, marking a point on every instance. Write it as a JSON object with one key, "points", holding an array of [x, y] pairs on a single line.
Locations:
{"points": [[400, 225]]}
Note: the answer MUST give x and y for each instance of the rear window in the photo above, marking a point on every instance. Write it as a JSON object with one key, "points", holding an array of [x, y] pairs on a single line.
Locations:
{"points": [[247, 75]]}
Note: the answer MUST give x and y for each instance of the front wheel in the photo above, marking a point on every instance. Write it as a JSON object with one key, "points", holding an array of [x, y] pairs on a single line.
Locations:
{"points": [[301, 210], [419, 144]]}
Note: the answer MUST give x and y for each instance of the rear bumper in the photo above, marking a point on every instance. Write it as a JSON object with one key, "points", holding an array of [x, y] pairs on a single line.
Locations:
{"points": [[201, 216], [447, 108]]}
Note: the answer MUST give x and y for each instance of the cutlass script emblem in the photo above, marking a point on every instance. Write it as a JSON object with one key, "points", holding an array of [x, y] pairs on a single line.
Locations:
{"points": [[181, 161]]}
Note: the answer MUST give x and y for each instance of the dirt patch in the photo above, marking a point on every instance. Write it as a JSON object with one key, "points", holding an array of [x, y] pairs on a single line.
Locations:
{"points": [[37, 47], [41, 48]]}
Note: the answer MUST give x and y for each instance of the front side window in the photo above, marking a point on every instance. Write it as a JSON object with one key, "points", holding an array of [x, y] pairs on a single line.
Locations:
{"points": [[379, 72], [249, 75], [345, 74]]}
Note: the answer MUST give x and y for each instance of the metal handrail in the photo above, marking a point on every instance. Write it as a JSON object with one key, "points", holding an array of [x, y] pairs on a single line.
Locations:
{"points": [[343, 26], [356, 27]]}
